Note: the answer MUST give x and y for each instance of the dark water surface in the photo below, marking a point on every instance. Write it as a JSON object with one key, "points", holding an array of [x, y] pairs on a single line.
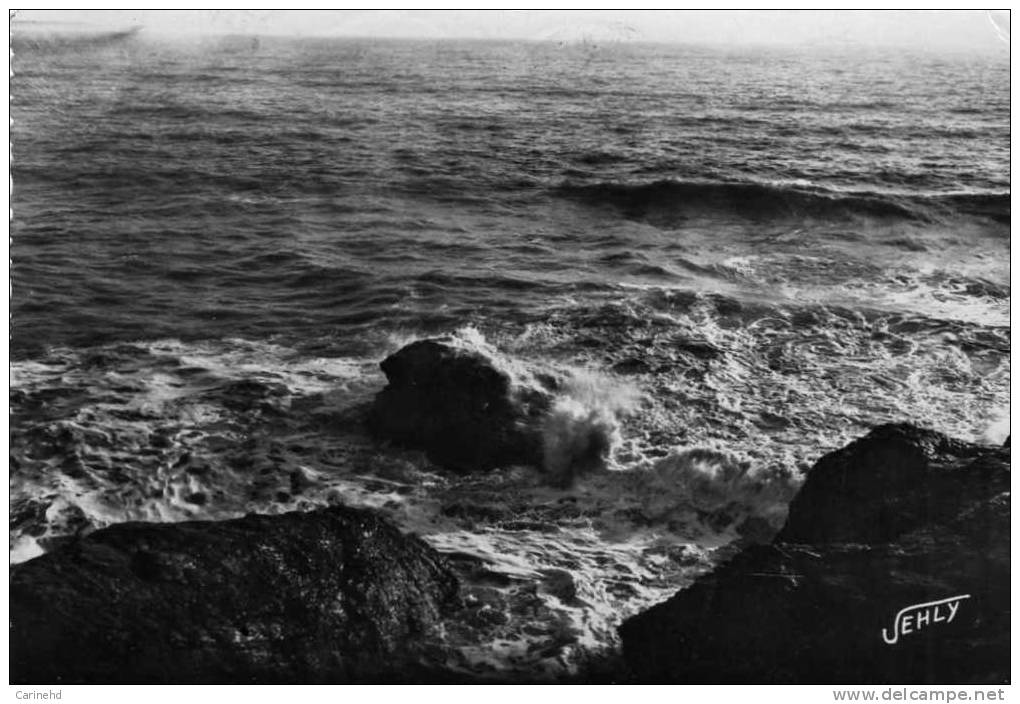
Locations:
{"points": [[303, 189]]}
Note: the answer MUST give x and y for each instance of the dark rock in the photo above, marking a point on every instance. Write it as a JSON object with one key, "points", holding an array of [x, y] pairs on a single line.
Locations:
{"points": [[894, 480], [460, 405], [299, 481], [756, 530], [335, 595], [901, 517]]}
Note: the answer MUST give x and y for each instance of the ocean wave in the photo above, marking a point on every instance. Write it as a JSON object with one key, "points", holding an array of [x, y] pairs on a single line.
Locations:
{"points": [[696, 490], [994, 206], [657, 201]]}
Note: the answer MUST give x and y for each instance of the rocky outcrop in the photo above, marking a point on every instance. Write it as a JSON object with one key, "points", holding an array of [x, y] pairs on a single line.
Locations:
{"points": [[901, 518], [334, 595], [465, 406], [895, 480]]}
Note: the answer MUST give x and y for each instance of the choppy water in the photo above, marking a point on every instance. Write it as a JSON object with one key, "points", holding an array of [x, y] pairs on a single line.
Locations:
{"points": [[753, 255]]}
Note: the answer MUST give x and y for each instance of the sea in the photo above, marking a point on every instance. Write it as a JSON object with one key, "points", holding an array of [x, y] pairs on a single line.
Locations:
{"points": [[749, 256]]}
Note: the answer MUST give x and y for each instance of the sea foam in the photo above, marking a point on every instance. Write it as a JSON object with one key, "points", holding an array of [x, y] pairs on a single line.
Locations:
{"points": [[583, 425]]}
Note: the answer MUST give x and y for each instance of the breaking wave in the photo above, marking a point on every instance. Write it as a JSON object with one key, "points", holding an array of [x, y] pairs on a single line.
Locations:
{"points": [[719, 486], [582, 428]]}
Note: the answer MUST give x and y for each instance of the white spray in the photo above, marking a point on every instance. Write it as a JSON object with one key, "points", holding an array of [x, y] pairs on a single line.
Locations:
{"points": [[583, 426]]}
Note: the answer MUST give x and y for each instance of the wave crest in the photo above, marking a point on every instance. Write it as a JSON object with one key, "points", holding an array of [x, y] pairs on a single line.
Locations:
{"points": [[661, 202], [719, 485]]}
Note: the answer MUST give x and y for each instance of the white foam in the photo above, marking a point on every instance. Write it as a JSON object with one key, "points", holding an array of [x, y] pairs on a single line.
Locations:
{"points": [[557, 569], [582, 430], [998, 429]]}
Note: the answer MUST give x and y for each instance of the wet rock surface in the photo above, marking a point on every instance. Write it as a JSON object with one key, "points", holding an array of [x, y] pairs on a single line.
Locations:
{"points": [[334, 595], [461, 407], [901, 517]]}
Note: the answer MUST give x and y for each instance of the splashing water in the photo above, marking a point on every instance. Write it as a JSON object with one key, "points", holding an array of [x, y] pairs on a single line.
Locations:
{"points": [[582, 429]]}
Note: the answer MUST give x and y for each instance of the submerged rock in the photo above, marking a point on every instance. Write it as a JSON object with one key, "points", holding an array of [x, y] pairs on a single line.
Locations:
{"points": [[468, 409], [902, 517], [334, 595]]}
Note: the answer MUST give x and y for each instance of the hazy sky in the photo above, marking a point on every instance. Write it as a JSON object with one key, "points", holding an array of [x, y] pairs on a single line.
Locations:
{"points": [[936, 29]]}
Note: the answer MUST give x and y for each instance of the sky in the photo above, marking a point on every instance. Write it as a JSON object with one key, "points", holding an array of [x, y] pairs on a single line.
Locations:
{"points": [[970, 29]]}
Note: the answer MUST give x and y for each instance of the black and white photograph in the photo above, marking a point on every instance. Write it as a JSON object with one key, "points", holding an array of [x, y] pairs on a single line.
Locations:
{"points": [[497, 347]]}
